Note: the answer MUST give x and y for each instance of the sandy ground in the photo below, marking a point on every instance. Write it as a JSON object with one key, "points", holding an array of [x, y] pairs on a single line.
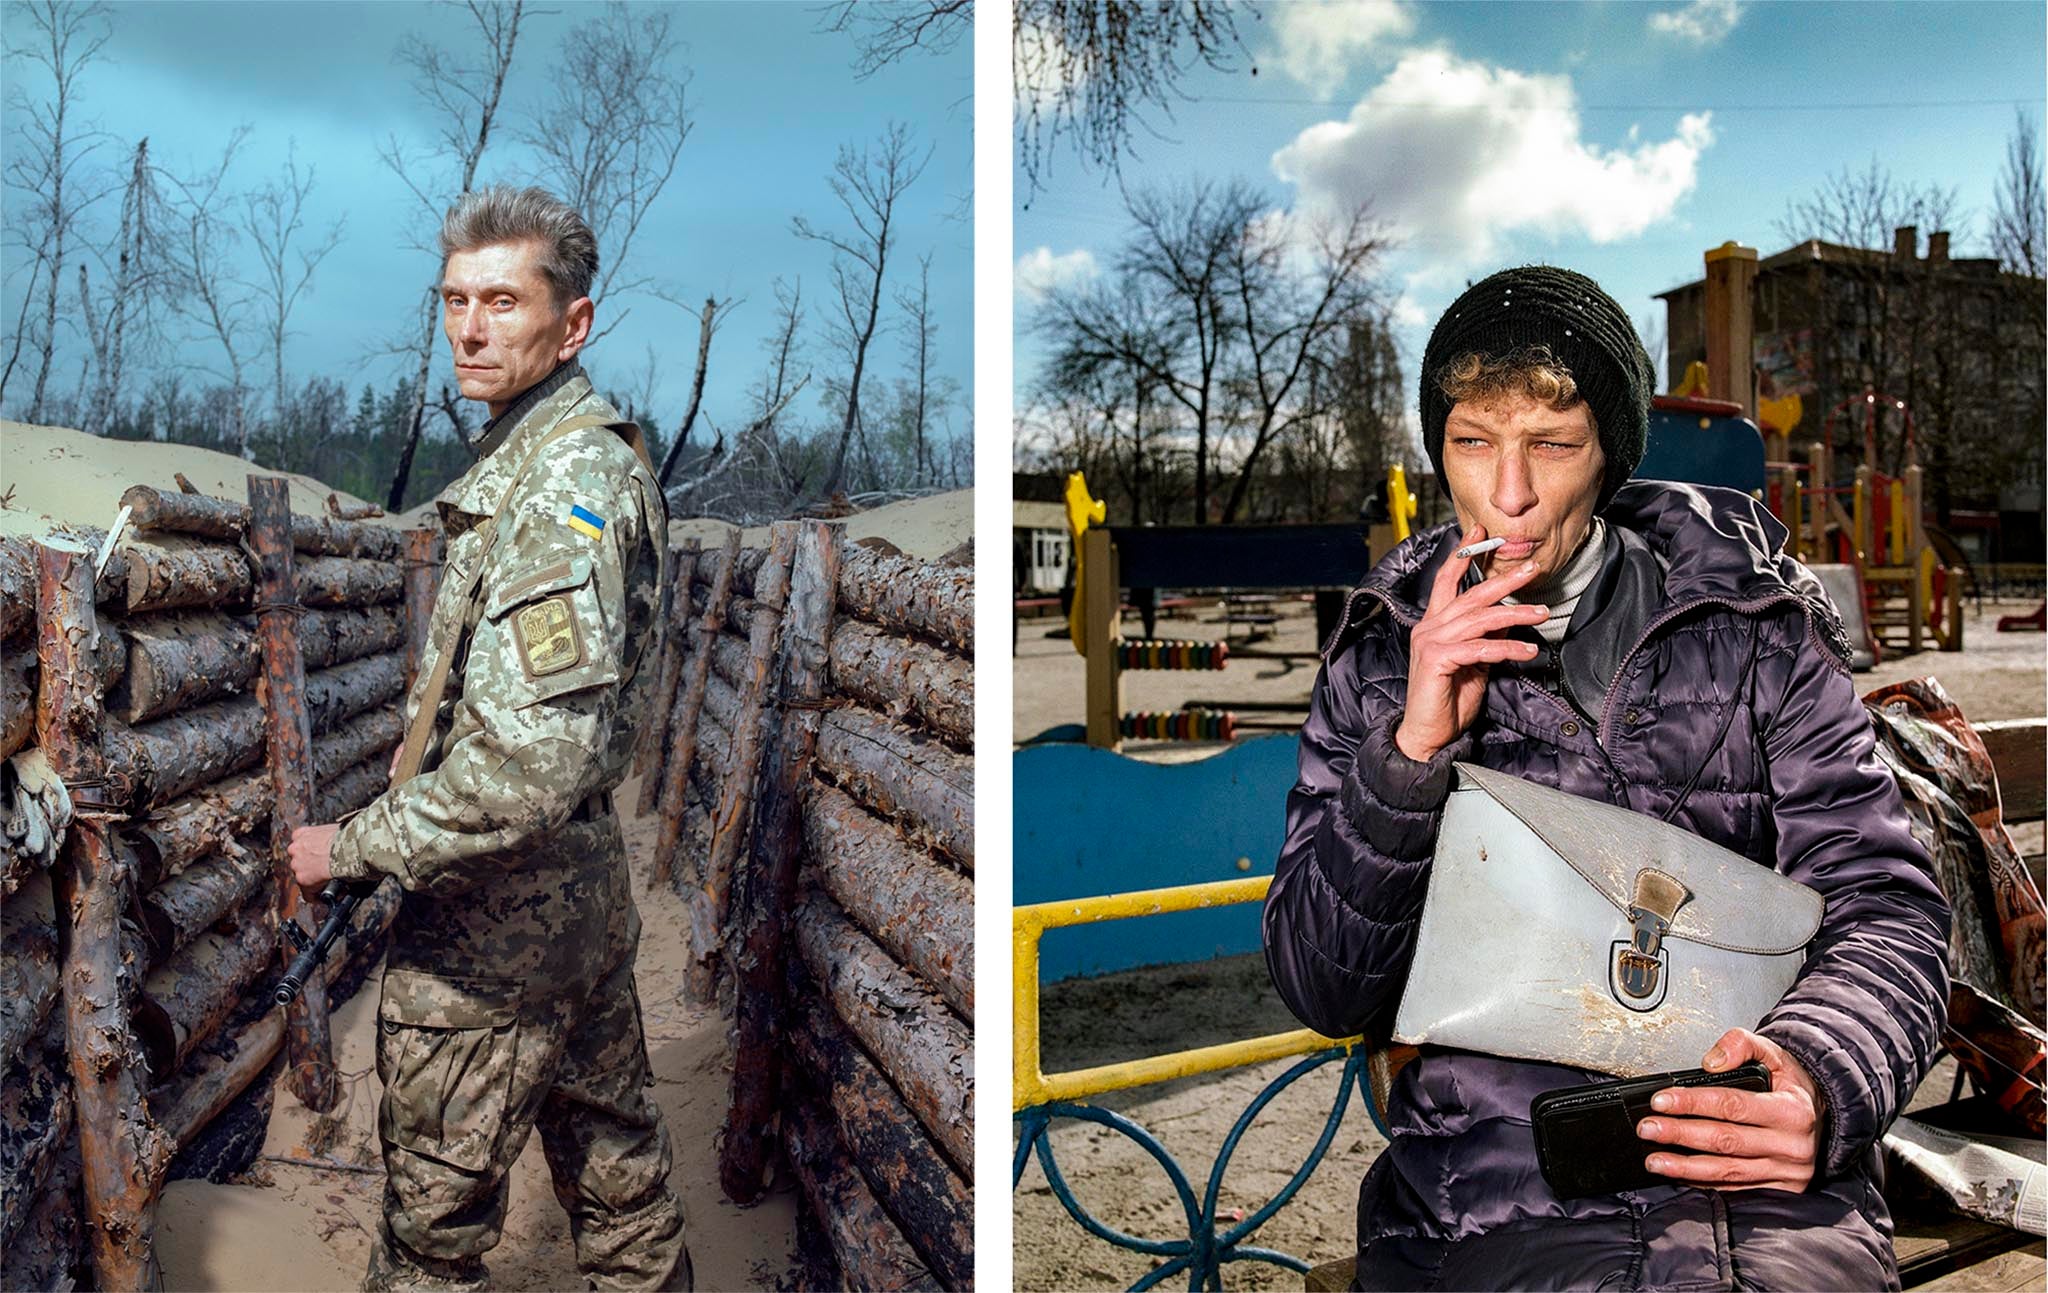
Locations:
{"points": [[1998, 675], [293, 1226], [1152, 1011], [53, 475], [927, 527]]}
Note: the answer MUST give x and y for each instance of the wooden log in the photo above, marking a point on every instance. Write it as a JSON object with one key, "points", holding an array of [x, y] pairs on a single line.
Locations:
{"points": [[28, 965], [352, 788], [212, 1081], [185, 1000], [923, 1047], [201, 514], [653, 751], [722, 701], [170, 756], [225, 518], [17, 586], [730, 819], [368, 736], [333, 637], [185, 906], [908, 595], [683, 722], [905, 678], [176, 573], [36, 1122], [17, 696], [422, 566], [918, 908], [729, 663], [349, 581], [291, 718], [336, 695], [44, 1252], [903, 775], [872, 1252], [122, 1154], [732, 563], [177, 660], [341, 511], [767, 885], [200, 823], [932, 1204]]}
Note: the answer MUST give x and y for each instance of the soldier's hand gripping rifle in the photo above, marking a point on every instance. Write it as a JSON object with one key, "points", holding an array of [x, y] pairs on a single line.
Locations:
{"points": [[342, 899]]}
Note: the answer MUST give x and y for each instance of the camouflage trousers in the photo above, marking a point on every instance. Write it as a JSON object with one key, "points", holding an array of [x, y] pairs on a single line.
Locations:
{"points": [[470, 1064]]}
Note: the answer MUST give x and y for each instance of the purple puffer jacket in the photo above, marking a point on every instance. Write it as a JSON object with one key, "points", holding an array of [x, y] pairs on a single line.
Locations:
{"points": [[1457, 1200]]}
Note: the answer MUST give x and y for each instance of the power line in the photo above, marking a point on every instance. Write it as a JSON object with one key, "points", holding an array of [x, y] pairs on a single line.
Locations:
{"points": [[1891, 106]]}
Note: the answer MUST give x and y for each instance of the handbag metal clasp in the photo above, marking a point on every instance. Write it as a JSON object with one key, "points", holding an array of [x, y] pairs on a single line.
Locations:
{"points": [[1639, 962]]}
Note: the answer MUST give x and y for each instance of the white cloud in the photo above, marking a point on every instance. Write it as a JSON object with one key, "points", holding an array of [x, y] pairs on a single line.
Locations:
{"points": [[1039, 271], [1318, 42], [1703, 22], [1453, 154]]}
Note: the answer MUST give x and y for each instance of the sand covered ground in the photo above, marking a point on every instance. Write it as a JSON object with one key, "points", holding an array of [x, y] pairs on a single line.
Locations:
{"points": [[928, 527], [53, 476]]}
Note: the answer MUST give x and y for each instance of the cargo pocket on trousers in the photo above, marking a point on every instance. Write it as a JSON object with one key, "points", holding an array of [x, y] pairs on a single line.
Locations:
{"points": [[446, 1048]]}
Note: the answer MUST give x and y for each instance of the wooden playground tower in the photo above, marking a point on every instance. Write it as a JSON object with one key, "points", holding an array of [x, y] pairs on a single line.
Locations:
{"points": [[1867, 520]]}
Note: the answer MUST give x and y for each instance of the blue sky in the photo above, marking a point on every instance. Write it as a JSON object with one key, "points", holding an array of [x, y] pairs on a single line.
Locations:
{"points": [[1621, 139], [772, 100]]}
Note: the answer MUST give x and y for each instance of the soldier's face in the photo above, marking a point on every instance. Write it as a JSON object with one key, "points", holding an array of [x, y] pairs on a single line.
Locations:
{"points": [[503, 323]]}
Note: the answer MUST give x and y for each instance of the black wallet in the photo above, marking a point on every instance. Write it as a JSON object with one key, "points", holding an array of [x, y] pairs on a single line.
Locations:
{"points": [[1586, 1140]]}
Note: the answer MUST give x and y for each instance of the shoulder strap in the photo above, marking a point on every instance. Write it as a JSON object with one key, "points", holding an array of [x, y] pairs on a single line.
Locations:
{"points": [[421, 730]]}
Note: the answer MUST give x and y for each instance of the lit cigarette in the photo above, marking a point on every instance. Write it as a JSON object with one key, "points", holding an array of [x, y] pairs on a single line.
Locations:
{"points": [[1480, 548]]}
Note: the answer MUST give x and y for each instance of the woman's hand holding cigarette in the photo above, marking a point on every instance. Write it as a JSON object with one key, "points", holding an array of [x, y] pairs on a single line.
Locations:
{"points": [[1451, 648]]}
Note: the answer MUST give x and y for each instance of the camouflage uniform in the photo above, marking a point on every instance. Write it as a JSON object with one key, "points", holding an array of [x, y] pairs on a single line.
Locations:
{"points": [[508, 996]]}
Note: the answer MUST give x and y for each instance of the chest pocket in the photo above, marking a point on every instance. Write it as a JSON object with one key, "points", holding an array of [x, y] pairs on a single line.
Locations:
{"points": [[551, 633]]}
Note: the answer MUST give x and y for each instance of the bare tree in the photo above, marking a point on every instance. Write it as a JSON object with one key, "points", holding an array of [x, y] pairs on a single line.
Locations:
{"points": [[1164, 313], [213, 299], [1099, 70], [918, 329], [1887, 299], [136, 279], [707, 326], [609, 139], [775, 389], [1286, 316], [273, 216], [2019, 220], [464, 98], [46, 161], [888, 31], [868, 184]]}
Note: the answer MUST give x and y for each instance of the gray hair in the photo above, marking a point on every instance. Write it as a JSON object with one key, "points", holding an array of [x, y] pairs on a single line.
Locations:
{"points": [[500, 213]]}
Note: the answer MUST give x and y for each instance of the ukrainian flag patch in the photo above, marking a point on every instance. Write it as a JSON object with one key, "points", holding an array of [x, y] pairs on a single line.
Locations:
{"points": [[586, 522]]}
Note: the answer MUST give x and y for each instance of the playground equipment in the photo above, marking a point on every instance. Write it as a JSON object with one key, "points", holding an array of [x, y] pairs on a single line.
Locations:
{"points": [[1873, 523], [1039, 1098], [1325, 558]]}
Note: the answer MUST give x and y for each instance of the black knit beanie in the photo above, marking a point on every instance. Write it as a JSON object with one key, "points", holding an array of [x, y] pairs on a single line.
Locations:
{"points": [[1587, 331]]}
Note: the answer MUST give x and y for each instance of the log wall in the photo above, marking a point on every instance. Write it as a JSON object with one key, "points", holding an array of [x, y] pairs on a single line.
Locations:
{"points": [[814, 769], [183, 808]]}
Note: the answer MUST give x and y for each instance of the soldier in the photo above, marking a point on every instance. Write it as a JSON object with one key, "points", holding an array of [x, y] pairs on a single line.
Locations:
{"points": [[508, 997]]}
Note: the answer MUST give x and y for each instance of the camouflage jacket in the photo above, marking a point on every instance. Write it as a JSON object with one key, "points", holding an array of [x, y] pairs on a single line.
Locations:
{"points": [[545, 694]]}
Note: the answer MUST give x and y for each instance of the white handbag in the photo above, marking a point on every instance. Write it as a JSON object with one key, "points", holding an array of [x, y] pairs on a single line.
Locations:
{"points": [[1572, 931]]}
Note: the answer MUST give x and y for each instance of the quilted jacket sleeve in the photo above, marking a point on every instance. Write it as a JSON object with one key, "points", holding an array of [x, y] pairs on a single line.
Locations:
{"points": [[1347, 892], [1865, 1016]]}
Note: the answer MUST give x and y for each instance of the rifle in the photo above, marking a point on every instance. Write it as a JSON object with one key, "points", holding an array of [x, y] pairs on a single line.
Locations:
{"points": [[342, 899]]}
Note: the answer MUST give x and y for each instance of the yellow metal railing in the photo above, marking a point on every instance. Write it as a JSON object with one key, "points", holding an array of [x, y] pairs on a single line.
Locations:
{"points": [[1032, 1086]]}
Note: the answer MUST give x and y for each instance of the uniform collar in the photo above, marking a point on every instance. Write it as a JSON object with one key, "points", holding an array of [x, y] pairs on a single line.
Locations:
{"points": [[509, 437]]}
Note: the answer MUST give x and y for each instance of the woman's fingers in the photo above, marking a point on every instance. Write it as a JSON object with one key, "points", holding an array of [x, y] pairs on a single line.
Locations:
{"points": [[1459, 655], [1481, 620], [1444, 589], [1727, 1139], [1717, 1172]]}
